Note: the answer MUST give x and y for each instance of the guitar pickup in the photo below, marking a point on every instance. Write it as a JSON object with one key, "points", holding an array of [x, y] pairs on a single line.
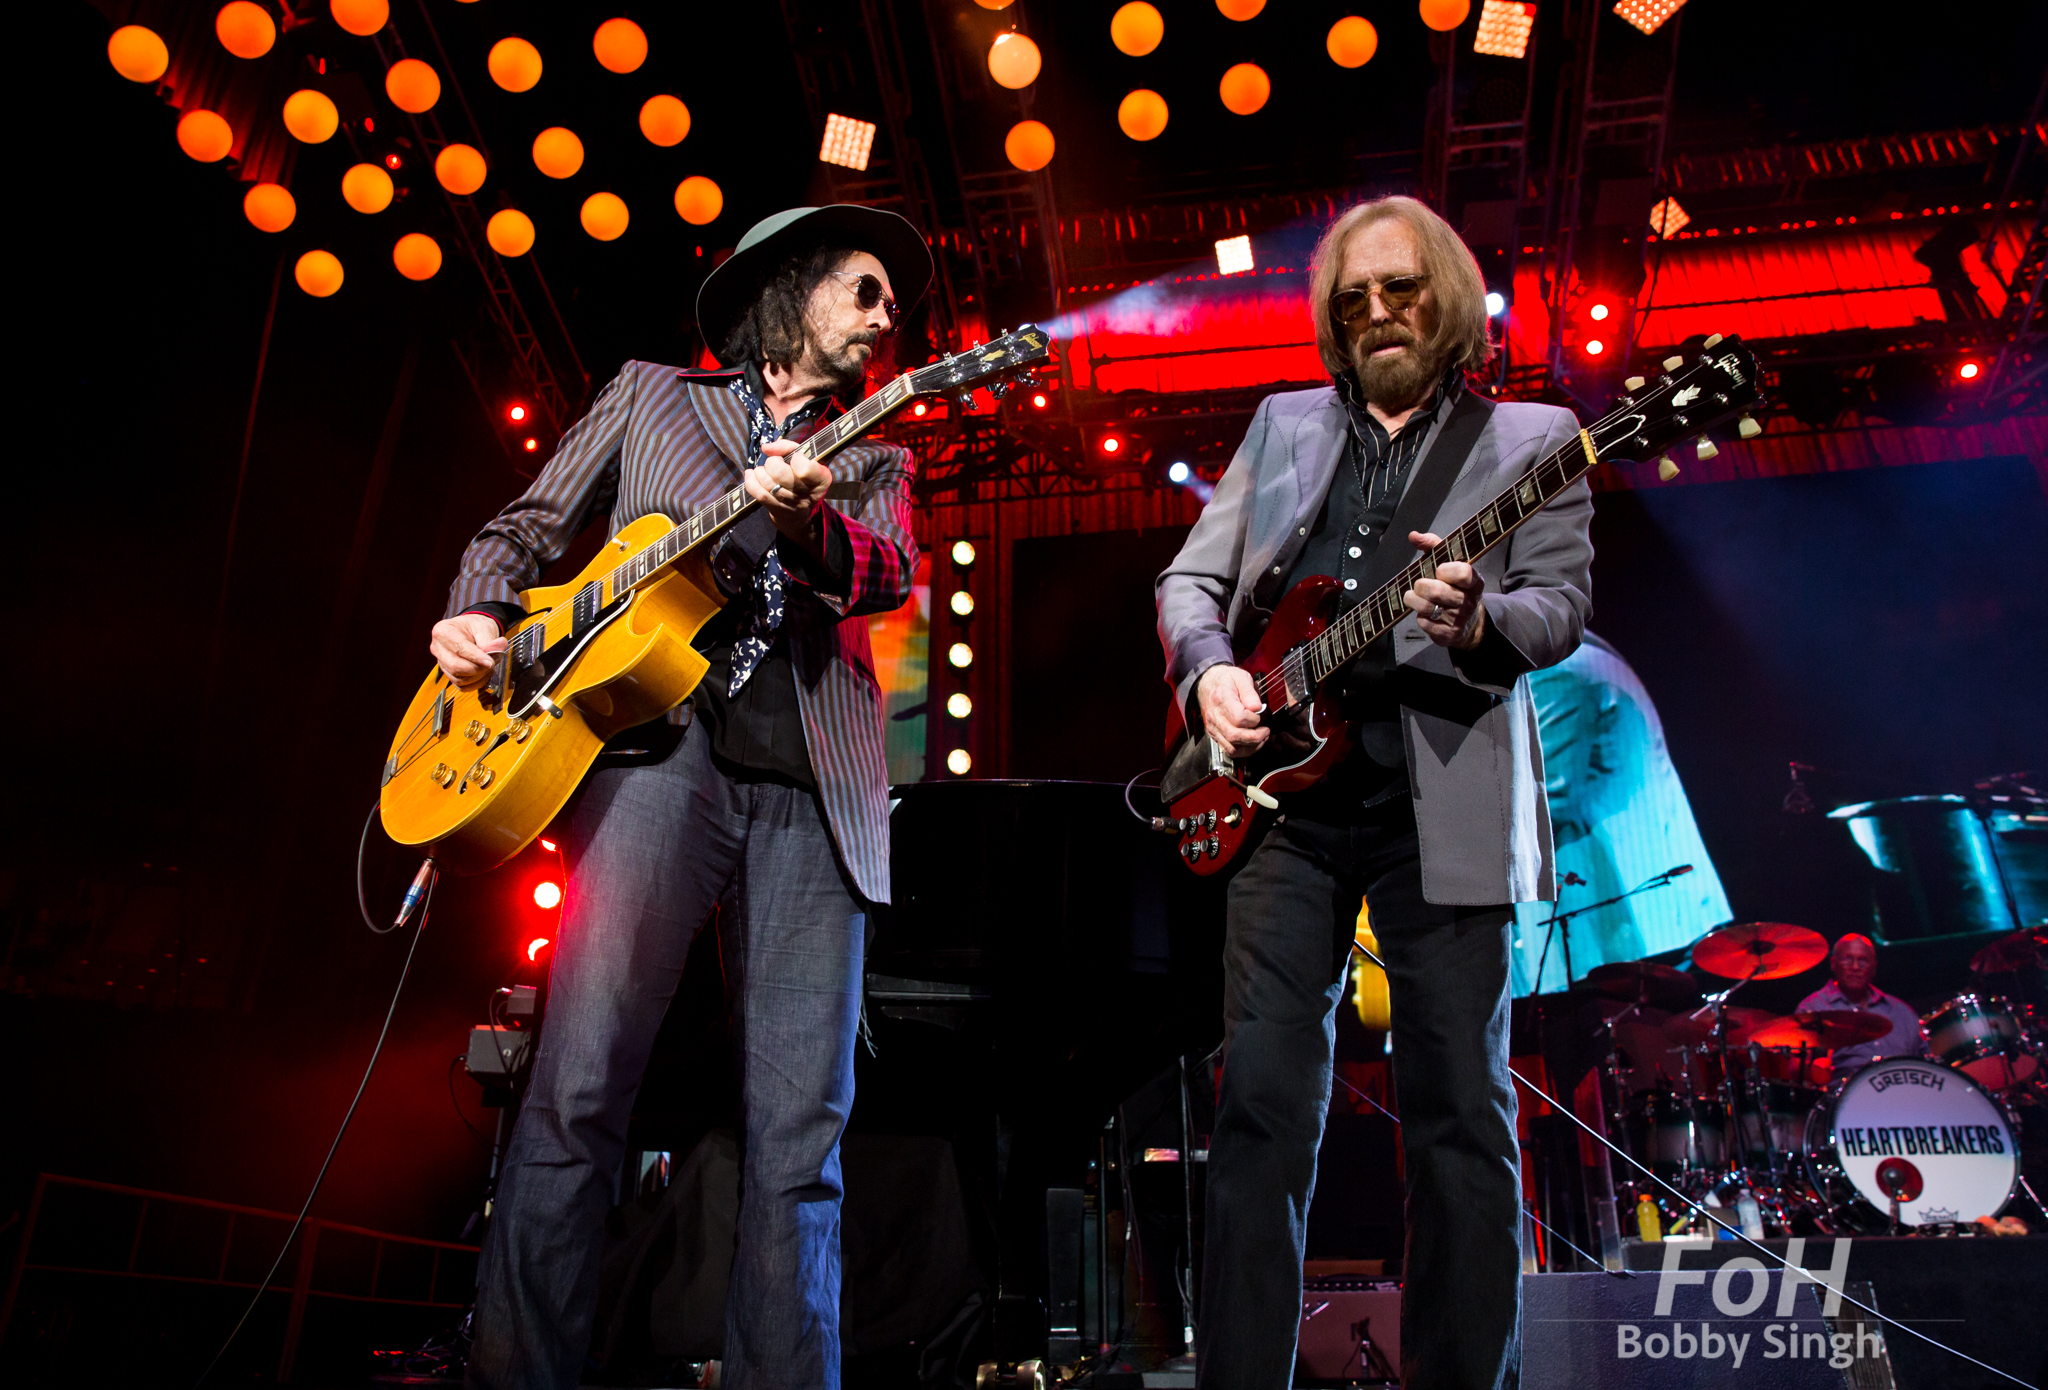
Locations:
{"points": [[442, 712]]}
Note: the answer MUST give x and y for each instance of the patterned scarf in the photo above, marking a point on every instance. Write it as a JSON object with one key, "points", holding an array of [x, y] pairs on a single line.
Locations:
{"points": [[764, 614]]}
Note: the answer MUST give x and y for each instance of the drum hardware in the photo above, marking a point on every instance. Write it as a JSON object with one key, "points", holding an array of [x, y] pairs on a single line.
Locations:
{"points": [[1901, 1182], [1983, 1036]]}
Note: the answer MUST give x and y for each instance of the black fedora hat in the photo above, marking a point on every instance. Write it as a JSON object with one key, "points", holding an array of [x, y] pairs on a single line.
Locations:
{"points": [[728, 291]]}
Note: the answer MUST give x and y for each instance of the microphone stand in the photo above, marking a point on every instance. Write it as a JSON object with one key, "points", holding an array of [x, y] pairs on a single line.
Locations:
{"points": [[1559, 925]]}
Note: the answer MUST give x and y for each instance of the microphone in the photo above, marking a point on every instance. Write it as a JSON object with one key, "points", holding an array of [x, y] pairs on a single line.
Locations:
{"points": [[414, 893], [1572, 880], [1681, 870]]}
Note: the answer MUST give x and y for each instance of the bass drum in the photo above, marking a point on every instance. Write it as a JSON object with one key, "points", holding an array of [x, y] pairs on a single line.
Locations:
{"points": [[1928, 1135]]}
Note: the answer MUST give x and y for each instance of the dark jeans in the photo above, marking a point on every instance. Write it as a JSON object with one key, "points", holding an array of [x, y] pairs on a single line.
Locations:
{"points": [[654, 849], [1291, 915]]}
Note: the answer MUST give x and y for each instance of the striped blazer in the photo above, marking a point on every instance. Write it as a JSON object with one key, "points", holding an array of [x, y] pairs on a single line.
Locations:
{"points": [[660, 440]]}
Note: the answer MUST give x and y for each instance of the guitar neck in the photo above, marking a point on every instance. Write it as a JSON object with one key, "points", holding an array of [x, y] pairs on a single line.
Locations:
{"points": [[1359, 627], [708, 521]]}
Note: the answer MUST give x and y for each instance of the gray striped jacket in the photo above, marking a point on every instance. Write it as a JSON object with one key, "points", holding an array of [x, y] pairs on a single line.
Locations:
{"points": [[659, 440]]}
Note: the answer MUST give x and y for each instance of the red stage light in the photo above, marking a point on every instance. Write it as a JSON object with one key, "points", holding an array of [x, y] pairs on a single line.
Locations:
{"points": [[547, 845], [547, 893], [1597, 312], [1968, 371], [532, 445], [517, 412], [535, 947], [392, 161], [921, 408], [1594, 347], [1038, 401], [1110, 444]]}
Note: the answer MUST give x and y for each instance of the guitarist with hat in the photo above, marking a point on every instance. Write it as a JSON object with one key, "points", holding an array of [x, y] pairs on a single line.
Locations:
{"points": [[772, 796], [1437, 817]]}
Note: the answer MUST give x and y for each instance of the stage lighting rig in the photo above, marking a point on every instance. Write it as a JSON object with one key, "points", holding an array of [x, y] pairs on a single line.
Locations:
{"points": [[1648, 15], [1504, 27]]}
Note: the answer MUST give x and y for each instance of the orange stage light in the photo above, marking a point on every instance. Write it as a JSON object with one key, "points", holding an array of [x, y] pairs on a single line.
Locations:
{"points": [[137, 53], [205, 136], [532, 445], [460, 169], [417, 256], [699, 200], [1443, 15], [664, 120], [1352, 41], [311, 116], [848, 142], [1245, 88], [1504, 27], [318, 273], [557, 152], [1014, 61], [245, 29], [1648, 15], [1240, 9], [1038, 402], [921, 409], [995, 4], [620, 45], [604, 216], [269, 207], [360, 17], [1111, 444], [366, 188], [1137, 28], [510, 232], [412, 85], [514, 64], [1029, 145], [1142, 114]]}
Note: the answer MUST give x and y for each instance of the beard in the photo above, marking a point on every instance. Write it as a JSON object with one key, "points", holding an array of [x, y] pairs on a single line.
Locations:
{"points": [[1397, 380], [844, 369]]}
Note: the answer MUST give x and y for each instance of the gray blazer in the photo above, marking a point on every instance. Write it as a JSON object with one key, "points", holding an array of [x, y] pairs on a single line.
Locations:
{"points": [[1475, 767]]}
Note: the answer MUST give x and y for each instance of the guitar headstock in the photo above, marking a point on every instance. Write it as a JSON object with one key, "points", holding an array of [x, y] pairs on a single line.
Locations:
{"points": [[994, 364], [1692, 394]]}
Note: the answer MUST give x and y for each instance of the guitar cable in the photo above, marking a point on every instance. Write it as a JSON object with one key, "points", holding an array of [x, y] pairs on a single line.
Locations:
{"points": [[421, 895], [1733, 1232]]}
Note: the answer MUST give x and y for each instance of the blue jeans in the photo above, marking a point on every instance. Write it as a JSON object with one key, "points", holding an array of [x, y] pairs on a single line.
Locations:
{"points": [[1290, 920], [653, 849]]}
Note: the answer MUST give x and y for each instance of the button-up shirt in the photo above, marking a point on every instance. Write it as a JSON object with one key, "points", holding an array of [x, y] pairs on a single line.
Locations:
{"points": [[1903, 1041]]}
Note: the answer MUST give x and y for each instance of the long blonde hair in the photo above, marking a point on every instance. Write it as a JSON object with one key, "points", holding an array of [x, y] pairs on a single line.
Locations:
{"points": [[1458, 288]]}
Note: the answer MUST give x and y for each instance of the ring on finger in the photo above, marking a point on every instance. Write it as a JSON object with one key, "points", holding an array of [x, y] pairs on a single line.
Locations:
{"points": [[1437, 613]]}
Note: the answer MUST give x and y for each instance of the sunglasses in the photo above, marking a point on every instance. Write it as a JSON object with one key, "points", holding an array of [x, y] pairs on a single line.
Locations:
{"points": [[867, 293], [1398, 293]]}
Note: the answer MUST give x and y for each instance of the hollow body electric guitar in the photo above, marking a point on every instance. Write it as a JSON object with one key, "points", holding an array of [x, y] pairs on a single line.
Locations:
{"points": [[480, 772], [1212, 799]]}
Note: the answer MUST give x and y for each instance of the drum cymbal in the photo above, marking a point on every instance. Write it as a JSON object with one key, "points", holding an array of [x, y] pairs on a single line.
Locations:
{"points": [[1698, 1026], [1645, 981], [1759, 950], [2025, 947], [1818, 1028]]}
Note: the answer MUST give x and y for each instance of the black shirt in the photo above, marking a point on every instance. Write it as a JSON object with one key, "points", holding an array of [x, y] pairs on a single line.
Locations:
{"points": [[1349, 527]]}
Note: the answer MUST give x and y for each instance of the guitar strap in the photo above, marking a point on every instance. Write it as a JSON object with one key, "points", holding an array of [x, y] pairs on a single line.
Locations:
{"points": [[1435, 472]]}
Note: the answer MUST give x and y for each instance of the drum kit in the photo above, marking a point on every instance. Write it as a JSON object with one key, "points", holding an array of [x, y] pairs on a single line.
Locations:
{"points": [[1747, 1105]]}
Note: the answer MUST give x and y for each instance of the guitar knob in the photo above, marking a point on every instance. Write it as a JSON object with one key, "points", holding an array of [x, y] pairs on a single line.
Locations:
{"points": [[1666, 469], [476, 732], [481, 776], [519, 729], [1214, 845], [443, 775], [1233, 816], [1212, 820]]}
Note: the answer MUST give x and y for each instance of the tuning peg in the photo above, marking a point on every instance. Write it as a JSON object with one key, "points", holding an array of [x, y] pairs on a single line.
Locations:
{"points": [[1748, 428], [1634, 383], [1706, 449], [1713, 340], [998, 388], [1672, 364], [1666, 469]]}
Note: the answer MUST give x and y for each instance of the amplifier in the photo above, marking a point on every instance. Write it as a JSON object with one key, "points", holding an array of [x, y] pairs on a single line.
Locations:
{"points": [[1350, 1331]]}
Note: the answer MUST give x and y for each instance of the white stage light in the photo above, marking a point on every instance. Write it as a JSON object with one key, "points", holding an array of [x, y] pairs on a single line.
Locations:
{"points": [[1504, 28], [1234, 254], [847, 142]]}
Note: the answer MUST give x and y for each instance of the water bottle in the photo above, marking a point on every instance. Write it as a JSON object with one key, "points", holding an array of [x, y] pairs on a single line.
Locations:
{"points": [[1750, 1214]]}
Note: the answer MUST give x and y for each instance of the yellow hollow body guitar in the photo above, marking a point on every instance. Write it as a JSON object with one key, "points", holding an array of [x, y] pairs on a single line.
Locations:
{"points": [[478, 773]]}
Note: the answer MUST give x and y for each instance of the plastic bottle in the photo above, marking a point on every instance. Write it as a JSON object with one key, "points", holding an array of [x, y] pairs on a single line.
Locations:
{"points": [[1751, 1215], [1649, 1221]]}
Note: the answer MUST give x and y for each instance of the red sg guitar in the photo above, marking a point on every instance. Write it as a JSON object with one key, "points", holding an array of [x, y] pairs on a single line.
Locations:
{"points": [[1212, 799]]}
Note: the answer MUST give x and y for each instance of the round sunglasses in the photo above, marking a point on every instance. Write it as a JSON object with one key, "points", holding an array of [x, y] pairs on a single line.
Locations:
{"points": [[1397, 293], [867, 293]]}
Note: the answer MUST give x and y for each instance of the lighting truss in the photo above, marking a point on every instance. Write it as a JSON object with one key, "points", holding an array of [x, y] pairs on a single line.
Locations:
{"points": [[1648, 15], [1504, 28], [1667, 217], [1234, 254], [847, 142]]}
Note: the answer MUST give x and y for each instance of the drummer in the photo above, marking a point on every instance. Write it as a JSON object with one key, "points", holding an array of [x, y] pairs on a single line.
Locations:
{"points": [[1853, 963]]}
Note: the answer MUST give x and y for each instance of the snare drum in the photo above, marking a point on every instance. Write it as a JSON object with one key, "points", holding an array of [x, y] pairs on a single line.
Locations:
{"points": [[1981, 1034], [1946, 1145]]}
